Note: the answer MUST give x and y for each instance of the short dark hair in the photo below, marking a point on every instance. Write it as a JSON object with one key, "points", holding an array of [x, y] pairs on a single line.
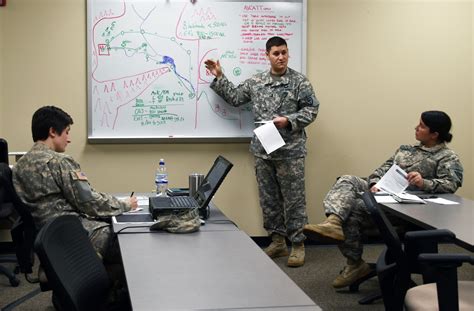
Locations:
{"points": [[49, 117], [440, 122], [275, 41]]}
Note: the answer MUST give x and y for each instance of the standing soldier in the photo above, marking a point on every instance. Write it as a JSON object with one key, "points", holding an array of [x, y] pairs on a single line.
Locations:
{"points": [[287, 98]]}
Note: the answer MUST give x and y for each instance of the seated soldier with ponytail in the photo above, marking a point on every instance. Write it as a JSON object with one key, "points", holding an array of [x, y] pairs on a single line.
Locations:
{"points": [[431, 166]]}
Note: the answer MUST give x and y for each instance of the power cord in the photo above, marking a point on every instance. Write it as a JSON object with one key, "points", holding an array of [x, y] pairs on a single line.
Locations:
{"points": [[131, 227], [221, 221]]}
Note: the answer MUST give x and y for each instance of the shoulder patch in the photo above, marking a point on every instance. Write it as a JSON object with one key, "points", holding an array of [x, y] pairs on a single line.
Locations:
{"points": [[81, 175]]}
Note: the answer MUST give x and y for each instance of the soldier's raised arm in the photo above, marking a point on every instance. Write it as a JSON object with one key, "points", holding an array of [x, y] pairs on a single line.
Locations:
{"points": [[214, 67]]}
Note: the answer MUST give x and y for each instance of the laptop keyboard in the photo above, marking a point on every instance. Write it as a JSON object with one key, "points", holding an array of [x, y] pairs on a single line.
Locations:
{"points": [[183, 201]]}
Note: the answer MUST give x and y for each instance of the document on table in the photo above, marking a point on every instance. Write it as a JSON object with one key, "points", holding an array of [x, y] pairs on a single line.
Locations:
{"points": [[395, 182], [442, 201], [384, 199], [407, 198], [269, 136]]}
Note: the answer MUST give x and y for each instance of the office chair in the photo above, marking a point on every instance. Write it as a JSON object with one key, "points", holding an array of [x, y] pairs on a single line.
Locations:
{"points": [[23, 231], [75, 273], [447, 293], [7, 213], [369, 230], [396, 262], [3, 151]]}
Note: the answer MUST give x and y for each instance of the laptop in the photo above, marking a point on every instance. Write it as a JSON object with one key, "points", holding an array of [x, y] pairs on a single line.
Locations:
{"points": [[214, 178]]}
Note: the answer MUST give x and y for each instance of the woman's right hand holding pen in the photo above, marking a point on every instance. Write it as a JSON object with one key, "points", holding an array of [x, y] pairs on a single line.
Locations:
{"points": [[133, 202]]}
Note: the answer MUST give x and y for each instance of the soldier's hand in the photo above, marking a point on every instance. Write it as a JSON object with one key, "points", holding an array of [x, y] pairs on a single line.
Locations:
{"points": [[374, 189], [280, 122], [133, 202], [214, 67], [414, 178]]}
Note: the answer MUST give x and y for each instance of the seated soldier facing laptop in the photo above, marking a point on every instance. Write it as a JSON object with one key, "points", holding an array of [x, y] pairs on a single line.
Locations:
{"points": [[52, 183]]}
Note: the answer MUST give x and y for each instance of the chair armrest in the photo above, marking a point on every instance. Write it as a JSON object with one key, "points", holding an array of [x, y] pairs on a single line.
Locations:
{"points": [[425, 241], [436, 235], [444, 269], [446, 259]]}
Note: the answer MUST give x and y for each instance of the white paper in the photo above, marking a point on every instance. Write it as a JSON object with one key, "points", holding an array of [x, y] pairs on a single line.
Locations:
{"points": [[141, 200], [442, 201], [394, 181], [269, 137], [408, 198], [138, 209], [385, 199]]}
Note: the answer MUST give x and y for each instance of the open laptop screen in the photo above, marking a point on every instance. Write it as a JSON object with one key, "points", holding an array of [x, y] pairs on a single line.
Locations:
{"points": [[213, 180]]}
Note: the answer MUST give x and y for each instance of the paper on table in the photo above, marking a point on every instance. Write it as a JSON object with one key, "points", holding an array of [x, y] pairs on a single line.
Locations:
{"points": [[442, 201], [407, 198], [269, 137], [394, 181], [384, 199], [138, 209], [141, 200]]}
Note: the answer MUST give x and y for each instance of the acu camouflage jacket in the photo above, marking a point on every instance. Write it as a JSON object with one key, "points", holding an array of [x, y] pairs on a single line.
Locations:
{"points": [[52, 184], [439, 166], [290, 95]]}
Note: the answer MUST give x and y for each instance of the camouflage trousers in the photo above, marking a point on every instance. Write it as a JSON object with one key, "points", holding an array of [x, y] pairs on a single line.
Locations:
{"points": [[342, 200], [105, 243], [281, 186]]}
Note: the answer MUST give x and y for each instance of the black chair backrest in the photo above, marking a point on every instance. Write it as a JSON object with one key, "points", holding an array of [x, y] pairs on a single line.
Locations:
{"points": [[75, 272], [389, 235], [392, 266], [7, 183], [3, 151], [24, 230]]}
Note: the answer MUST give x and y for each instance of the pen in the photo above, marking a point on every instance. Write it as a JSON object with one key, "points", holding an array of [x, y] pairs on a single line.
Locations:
{"points": [[131, 194]]}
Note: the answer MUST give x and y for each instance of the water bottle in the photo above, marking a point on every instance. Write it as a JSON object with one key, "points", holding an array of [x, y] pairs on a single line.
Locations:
{"points": [[161, 179]]}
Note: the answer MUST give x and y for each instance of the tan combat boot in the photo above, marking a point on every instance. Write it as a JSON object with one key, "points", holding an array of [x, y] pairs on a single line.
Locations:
{"points": [[296, 258], [278, 247], [351, 273], [330, 228]]}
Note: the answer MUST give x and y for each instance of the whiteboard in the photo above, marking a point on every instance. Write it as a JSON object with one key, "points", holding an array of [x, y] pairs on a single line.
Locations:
{"points": [[146, 76]]}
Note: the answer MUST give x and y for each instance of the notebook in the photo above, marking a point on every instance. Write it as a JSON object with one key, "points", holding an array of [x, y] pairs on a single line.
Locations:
{"points": [[202, 197]]}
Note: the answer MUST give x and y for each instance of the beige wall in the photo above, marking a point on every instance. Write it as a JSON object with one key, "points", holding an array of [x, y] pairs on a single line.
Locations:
{"points": [[1, 71], [375, 65]]}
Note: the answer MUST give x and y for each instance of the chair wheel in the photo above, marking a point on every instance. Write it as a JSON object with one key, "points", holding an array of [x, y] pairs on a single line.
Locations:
{"points": [[14, 282], [354, 287]]}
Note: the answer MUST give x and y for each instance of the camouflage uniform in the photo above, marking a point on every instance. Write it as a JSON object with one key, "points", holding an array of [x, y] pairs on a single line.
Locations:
{"points": [[439, 166], [52, 184], [185, 222], [280, 175]]}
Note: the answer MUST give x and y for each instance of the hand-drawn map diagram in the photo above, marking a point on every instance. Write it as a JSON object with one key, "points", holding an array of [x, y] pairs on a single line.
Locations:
{"points": [[147, 77]]}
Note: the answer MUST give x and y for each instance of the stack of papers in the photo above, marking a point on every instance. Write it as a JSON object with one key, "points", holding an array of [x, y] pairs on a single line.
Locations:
{"points": [[395, 182], [407, 198]]}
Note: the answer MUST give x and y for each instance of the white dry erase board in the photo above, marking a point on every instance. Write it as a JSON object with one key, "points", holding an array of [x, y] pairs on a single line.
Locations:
{"points": [[146, 76]]}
